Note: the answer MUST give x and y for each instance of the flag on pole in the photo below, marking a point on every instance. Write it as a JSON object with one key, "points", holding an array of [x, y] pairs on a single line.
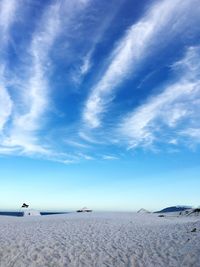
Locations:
{"points": [[24, 205]]}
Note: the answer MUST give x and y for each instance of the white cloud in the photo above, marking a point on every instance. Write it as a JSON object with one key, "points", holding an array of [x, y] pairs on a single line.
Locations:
{"points": [[76, 144], [194, 133], [131, 50], [27, 114], [173, 141], [85, 156], [88, 138], [86, 62], [171, 114], [7, 17], [35, 94], [5, 104], [33, 102], [22, 114], [109, 157], [85, 67]]}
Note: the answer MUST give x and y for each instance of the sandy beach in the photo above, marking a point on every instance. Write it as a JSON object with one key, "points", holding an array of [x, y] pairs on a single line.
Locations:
{"points": [[100, 239]]}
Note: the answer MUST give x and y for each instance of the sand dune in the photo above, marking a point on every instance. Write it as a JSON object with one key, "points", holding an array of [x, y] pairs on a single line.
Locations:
{"points": [[99, 239]]}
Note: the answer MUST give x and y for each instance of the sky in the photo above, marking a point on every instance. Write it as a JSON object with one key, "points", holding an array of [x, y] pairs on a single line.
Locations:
{"points": [[99, 104]]}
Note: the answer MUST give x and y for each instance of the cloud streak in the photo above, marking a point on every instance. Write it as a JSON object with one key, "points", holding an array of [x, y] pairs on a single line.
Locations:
{"points": [[174, 111], [5, 103], [100, 30], [28, 117], [41, 113], [34, 89], [7, 17], [129, 53], [27, 114]]}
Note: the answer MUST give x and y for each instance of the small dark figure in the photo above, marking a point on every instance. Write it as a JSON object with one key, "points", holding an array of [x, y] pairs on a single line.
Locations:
{"points": [[194, 230], [24, 205]]}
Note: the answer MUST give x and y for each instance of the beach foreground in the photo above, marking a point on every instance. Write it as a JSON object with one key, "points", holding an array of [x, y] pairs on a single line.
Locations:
{"points": [[100, 239]]}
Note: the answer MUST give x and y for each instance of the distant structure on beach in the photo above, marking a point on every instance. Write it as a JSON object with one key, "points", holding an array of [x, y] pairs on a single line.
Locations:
{"points": [[24, 205], [143, 211], [84, 210], [29, 212]]}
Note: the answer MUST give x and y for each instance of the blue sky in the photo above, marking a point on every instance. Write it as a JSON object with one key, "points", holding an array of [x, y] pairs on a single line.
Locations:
{"points": [[99, 104]]}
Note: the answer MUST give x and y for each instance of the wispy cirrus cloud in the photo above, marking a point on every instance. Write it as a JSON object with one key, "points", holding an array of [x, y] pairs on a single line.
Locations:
{"points": [[172, 116], [83, 69], [40, 109], [7, 17], [100, 29], [193, 133], [35, 93], [26, 120], [110, 157], [136, 45], [28, 114], [5, 102]]}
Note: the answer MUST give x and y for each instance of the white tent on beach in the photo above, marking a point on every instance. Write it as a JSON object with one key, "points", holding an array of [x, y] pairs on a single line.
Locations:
{"points": [[84, 210], [30, 212], [143, 211]]}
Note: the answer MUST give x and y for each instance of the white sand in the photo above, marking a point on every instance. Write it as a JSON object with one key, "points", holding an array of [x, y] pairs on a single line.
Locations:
{"points": [[99, 239]]}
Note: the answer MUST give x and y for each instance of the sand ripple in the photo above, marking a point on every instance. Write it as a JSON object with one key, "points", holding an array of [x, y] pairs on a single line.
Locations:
{"points": [[99, 239]]}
